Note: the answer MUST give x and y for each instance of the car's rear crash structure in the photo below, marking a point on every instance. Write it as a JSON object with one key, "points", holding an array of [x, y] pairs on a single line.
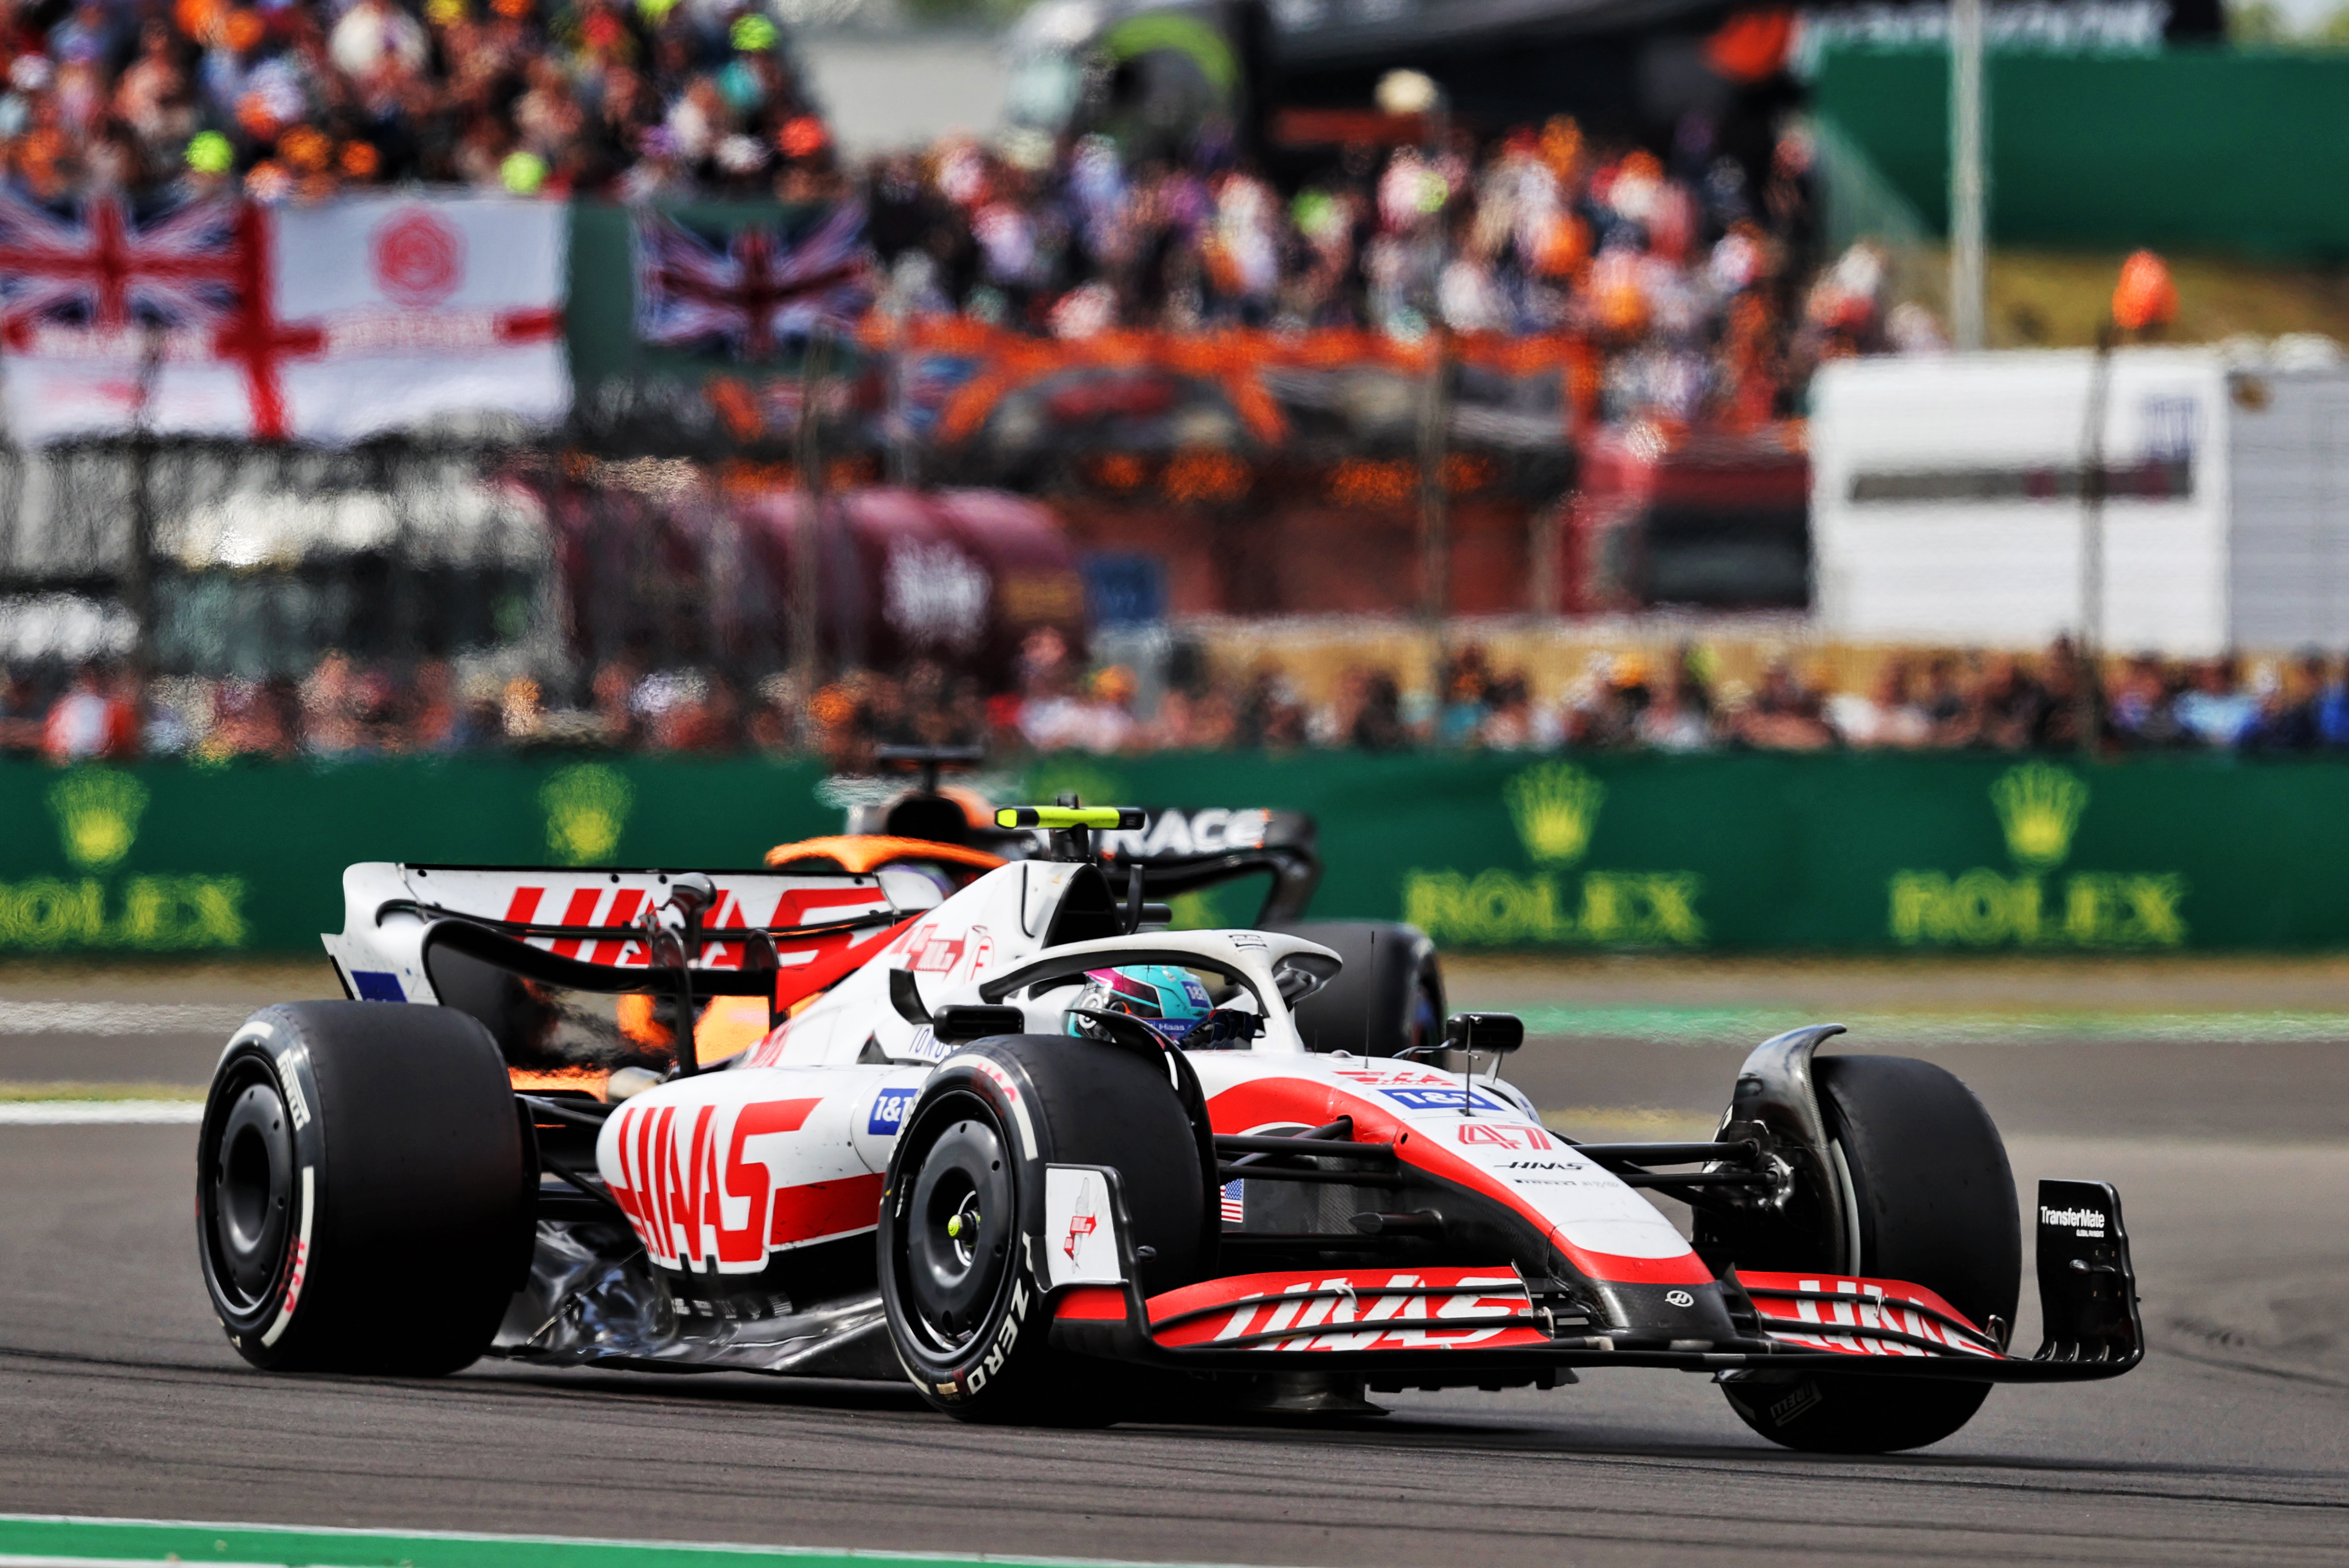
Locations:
{"points": [[937, 1165]]}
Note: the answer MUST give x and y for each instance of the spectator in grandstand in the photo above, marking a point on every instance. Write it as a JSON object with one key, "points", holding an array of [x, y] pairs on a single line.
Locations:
{"points": [[1675, 718], [2216, 710], [97, 717], [1469, 693], [1367, 713], [1890, 717], [2141, 706], [21, 713], [1786, 715], [2287, 717], [2331, 706], [333, 710], [252, 719]]}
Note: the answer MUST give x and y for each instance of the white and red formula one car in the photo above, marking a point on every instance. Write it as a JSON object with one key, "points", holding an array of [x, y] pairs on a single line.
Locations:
{"points": [[1052, 1163]]}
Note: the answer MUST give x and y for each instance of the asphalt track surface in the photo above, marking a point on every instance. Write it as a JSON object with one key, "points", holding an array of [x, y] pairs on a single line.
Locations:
{"points": [[119, 1397]]}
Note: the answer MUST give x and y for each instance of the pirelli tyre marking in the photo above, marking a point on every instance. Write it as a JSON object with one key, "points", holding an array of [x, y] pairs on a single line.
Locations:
{"points": [[301, 1240], [969, 1380]]}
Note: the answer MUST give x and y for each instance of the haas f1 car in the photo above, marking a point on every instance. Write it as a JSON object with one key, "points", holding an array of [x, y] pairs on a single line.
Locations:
{"points": [[1054, 1163]]}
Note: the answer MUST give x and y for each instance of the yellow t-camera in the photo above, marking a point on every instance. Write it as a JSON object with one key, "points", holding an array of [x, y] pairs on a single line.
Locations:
{"points": [[1102, 818]]}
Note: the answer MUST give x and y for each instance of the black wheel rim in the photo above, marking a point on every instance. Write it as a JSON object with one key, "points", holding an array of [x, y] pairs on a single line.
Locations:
{"points": [[959, 1225], [249, 1187]]}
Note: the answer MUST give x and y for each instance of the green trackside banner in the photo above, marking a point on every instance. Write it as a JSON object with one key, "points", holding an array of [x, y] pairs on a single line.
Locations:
{"points": [[1741, 852], [2184, 148]]}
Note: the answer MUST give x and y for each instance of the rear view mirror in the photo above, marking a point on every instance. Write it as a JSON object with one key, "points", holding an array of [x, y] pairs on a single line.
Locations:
{"points": [[1495, 1034]]}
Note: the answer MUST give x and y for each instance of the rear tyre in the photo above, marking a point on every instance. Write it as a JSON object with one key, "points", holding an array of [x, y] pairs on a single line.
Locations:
{"points": [[1936, 1208], [363, 1188], [1389, 998], [962, 1215]]}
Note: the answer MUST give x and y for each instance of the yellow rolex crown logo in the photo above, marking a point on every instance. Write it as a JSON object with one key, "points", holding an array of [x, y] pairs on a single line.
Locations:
{"points": [[2039, 806], [97, 813], [586, 807], [1555, 805]]}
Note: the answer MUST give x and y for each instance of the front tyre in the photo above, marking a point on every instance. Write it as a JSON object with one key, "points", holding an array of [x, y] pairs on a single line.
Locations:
{"points": [[962, 1269], [1935, 1201], [363, 1188]]}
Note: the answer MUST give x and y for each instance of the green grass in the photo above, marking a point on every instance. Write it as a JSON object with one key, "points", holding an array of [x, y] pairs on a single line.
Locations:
{"points": [[2056, 299], [24, 1094]]}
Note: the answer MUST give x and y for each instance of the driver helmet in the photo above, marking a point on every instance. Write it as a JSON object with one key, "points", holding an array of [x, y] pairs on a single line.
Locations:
{"points": [[1169, 999]]}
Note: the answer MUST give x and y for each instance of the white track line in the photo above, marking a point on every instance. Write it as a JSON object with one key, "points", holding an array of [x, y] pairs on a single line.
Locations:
{"points": [[119, 1018], [99, 1113]]}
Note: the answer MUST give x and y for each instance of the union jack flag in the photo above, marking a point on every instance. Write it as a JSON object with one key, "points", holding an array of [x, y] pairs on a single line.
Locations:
{"points": [[751, 289], [107, 267]]}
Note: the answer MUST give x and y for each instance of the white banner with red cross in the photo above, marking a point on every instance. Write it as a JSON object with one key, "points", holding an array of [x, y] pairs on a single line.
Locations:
{"points": [[325, 324]]}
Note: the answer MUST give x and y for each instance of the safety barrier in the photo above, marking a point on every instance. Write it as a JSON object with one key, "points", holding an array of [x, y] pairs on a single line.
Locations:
{"points": [[1727, 851]]}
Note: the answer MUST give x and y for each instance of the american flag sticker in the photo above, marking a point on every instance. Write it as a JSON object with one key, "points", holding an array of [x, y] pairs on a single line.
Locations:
{"points": [[1234, 1208]]}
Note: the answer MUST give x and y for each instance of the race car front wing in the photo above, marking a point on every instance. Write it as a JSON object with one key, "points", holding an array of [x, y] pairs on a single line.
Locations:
{"points": [[1400, 1322]]}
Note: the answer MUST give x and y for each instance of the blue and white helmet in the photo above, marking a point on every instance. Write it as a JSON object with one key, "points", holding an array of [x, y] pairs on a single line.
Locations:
{"points": [[1170, 1000]]}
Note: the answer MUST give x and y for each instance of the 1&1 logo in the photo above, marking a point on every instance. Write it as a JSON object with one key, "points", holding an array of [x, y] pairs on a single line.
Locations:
{"points": [[888, 1118]]}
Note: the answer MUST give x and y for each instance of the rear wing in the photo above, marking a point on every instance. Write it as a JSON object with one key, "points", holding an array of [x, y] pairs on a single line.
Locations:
{"points": [[410, 931], [1181, 849]]}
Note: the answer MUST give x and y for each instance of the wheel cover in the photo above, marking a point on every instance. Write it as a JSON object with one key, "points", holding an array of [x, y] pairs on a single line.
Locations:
{"points": [[958, 1233], [249, 1174]]}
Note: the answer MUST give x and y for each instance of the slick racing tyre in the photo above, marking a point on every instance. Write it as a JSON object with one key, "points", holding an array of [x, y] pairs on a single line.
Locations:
{"points": [[1389, 997], [1935, 1200], [364, 1196], [961, 1248]]}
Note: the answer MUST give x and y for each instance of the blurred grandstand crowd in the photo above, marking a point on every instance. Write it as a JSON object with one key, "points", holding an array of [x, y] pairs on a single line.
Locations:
{"points": [[1691, 267], [1697, 275], [1690, 276], [1929, 700], [288, 99]]}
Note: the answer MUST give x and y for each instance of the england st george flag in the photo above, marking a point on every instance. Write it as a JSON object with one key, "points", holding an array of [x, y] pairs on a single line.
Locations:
{"points": [[326, 324]]}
